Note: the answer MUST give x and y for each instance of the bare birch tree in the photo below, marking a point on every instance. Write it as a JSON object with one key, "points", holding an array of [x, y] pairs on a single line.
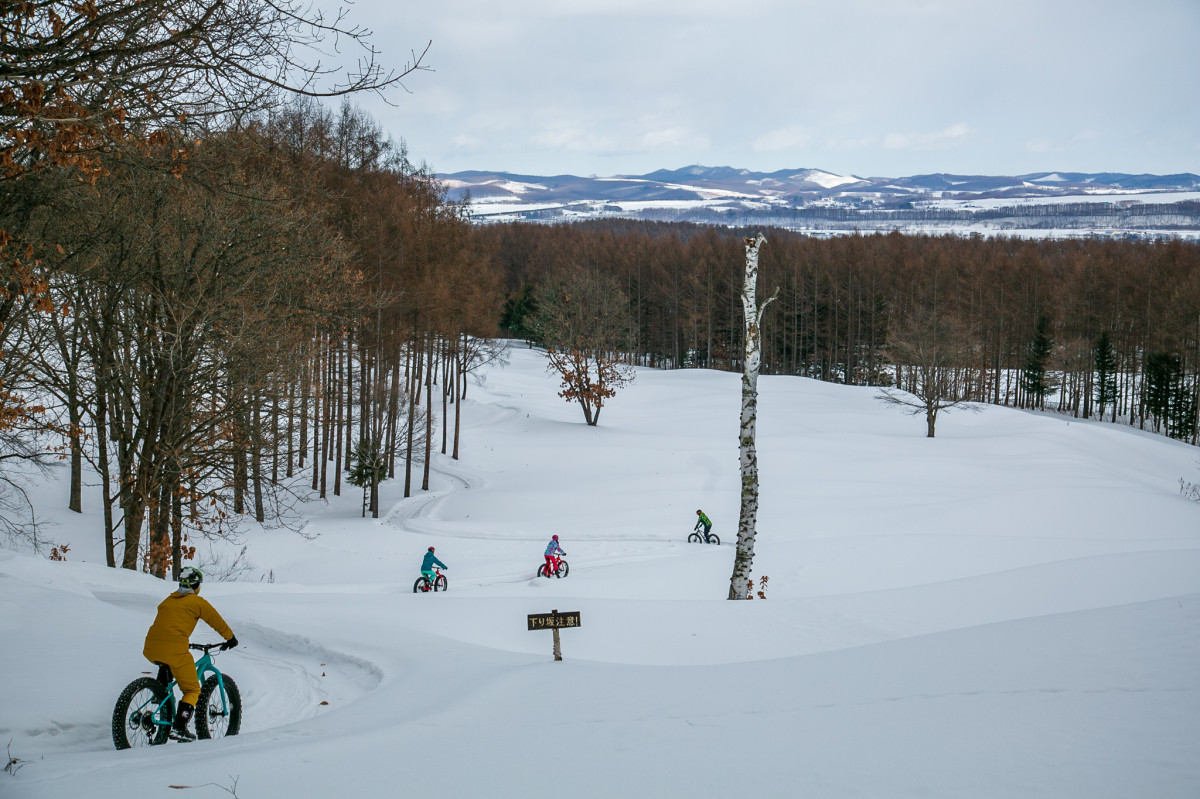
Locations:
{"points": [[740, 579]]}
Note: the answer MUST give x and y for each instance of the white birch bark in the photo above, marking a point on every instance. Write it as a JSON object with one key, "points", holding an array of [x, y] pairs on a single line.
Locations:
{"points": [[743, 560]]}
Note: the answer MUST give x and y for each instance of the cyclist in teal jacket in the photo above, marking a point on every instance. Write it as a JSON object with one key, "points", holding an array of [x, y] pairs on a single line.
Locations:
{"points": [[429, 562]]}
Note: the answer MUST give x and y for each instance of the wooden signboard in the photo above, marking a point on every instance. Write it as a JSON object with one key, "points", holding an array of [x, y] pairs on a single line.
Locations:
{"points": [[554, 621], [546, 621]]}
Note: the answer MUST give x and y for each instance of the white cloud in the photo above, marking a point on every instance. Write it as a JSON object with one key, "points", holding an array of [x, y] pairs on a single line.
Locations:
{"points": [[464, 141], [859, 143], [672, 138], [570, 138], [787, 138], [649, 137], [926, 141], [668, 9]]}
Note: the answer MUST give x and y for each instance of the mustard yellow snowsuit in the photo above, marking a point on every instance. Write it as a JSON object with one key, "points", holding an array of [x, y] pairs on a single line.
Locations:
{"points": [[167, 639]]}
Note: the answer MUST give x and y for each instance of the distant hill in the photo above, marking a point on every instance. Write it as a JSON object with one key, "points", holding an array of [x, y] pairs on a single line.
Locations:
{"points": [[1042, 203]]}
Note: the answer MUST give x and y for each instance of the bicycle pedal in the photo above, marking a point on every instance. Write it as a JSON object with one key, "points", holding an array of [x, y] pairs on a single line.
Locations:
{"points": [[175, 736]]}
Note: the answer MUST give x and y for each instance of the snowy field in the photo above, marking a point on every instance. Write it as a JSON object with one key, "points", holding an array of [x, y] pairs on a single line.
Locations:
{"points": [[1110, 196], [1011, 609]]}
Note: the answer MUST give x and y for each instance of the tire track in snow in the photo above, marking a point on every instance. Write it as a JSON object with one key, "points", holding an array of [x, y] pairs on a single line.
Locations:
{"points": [[282, 677], [287, 678], [413, 515]]}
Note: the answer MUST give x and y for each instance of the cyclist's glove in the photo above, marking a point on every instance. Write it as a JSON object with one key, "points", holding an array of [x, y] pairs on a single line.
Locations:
{"points": [[230, 644]]}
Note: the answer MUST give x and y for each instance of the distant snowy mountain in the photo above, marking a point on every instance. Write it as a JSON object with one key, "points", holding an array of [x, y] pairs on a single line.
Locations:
{"points": [[1043, 203]]}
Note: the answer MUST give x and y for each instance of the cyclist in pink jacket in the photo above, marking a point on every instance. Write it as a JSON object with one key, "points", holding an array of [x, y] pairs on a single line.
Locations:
{"points": [[553, 553]]}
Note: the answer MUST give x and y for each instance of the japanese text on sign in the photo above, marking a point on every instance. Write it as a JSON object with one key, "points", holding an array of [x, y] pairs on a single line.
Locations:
{"points": [[548, 621]]}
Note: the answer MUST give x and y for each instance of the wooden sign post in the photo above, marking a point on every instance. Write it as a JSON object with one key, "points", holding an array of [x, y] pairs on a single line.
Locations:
{"points": [[554, 621]]}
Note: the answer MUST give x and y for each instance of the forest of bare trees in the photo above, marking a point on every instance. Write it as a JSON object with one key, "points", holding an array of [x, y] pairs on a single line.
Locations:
{"points": [[219, 299], [289, 302], [1119, 320]]}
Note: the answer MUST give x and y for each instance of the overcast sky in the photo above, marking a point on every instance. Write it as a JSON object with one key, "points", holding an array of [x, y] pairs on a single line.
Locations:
{"points": [[864, 87]]}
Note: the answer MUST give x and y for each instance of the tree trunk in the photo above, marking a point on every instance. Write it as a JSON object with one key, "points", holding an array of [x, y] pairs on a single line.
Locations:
{"points": [[393, 415], [256, 470], [740, 579], [339, 397], [414, 361], [76, 419], [458, 394], [446, 389], [110, 556], [430, 374], [317, 379], [327, 397]]}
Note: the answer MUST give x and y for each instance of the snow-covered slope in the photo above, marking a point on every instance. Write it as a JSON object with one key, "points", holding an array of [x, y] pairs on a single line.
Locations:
{"points": [[1011, 609]]}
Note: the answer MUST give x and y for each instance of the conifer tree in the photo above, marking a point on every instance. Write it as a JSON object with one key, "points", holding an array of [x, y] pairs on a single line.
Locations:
{"points": [[1167, 396], [367, 471], [1033, 376], [519, 313], [1106, 374]]}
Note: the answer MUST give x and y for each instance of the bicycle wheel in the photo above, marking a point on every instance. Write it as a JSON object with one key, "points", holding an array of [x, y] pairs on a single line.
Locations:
{"points": [[441, 583], [712, 539], [543, 571], [422, 584], [562, 570], [694, 538], [217, 717], [133, 717]]}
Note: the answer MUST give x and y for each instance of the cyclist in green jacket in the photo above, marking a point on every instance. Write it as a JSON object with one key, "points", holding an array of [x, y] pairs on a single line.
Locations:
{"points": [[703, 520]]}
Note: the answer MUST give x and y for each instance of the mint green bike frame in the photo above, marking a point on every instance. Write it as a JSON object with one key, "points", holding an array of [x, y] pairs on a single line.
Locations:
{"points": [[205, 667]]}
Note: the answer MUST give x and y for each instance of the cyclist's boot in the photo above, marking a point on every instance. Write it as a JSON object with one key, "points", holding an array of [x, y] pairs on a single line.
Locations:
{"points": [[182, 716], [164, 674]]}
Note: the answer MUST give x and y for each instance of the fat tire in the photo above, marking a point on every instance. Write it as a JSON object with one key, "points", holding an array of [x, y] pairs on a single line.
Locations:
{"points": [[441, 583], [205, 726], [563, 569], [695, 538], [120, 718], [543, 571], [421, 581], [712, 539]]}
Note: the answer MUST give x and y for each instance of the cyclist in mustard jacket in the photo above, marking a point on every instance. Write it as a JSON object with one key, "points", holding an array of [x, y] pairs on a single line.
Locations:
{"points": [[168, 638]]}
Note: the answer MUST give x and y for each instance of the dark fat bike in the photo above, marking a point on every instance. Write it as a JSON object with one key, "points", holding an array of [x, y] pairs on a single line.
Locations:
{"points": [[146, 708]]}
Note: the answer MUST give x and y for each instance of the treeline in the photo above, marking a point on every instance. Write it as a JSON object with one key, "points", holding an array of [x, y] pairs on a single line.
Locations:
{"points": [[1099, 327], [1130, 217], [287, 301], [218, 299]]}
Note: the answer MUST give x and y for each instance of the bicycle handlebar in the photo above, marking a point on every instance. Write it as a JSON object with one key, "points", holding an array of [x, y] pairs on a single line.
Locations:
{"points": [[206, 647]]}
